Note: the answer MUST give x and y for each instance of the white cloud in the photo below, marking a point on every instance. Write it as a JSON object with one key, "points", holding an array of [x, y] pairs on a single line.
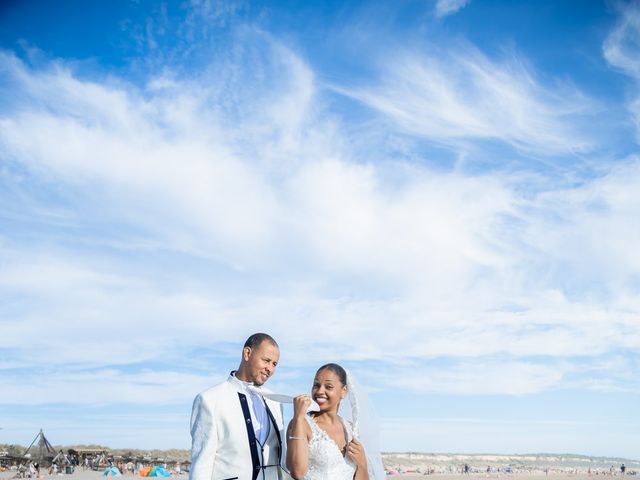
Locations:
{"points": [[465, 96], [480, 377], [449, 7], [445, 249], [119, 141], [621, 46], [621, 49], [433, 228], [104, 387], [257, 211], [591, 221]]}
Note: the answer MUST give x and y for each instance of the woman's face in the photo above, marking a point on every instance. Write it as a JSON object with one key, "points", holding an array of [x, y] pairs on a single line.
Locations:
{"points": [[327, 390]]}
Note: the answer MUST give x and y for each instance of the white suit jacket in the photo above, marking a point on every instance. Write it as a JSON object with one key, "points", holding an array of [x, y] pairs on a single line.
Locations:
{"points": [[220, 447]]}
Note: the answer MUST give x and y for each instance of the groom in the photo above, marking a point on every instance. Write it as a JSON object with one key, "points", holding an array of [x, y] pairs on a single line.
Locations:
{"points": [[236, 433]]}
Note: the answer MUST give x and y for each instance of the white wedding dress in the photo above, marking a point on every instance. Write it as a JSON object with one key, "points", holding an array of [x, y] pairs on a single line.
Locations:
{"points": [[326, 461]]}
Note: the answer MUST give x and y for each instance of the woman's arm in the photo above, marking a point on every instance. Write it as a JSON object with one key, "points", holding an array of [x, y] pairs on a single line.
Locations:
{"points": [[298, 436]]}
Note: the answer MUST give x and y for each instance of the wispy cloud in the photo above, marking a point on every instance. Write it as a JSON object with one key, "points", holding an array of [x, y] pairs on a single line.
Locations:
{"points": [[447, 219], [449, 7], [463, 96], [106, 387], [490, 378], [621, 51], [256, 208], [620, 47]]}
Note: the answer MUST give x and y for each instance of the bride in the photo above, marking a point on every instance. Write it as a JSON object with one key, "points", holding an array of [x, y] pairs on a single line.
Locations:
{"points": [[321, 445]]}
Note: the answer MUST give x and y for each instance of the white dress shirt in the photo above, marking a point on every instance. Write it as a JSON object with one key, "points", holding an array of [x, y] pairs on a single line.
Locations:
{"points": [[258, 410]]}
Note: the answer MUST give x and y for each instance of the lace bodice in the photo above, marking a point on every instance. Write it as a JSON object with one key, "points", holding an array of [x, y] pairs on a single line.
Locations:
{"points": [[326, 461]]}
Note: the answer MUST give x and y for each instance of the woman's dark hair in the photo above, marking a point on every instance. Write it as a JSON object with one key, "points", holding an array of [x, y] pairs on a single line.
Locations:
{"points": [[337, 369]]}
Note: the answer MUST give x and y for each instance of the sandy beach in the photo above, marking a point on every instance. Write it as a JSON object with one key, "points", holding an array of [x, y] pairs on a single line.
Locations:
{"points": [[91, 475]]}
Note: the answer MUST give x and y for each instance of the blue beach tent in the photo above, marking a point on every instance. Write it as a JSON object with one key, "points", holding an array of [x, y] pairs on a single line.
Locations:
{"points": [[111, 472], [159, 472]]}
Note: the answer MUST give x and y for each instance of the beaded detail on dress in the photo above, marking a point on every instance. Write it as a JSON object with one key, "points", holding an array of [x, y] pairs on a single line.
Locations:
{"points": [[326, 461]]}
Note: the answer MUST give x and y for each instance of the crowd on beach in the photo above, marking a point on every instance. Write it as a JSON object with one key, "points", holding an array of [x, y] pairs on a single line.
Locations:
{"points": [[499, 471], [68, 463]]}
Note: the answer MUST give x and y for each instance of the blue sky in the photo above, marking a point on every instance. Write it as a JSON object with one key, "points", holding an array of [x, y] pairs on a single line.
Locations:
{"points": [[441, 195]]}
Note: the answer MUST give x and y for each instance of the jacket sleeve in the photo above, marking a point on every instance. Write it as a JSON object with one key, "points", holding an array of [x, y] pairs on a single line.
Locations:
{"points": [[204, 441]]}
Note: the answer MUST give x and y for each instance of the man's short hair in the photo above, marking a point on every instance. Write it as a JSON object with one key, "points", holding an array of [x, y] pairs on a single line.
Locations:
{"points": [[255, 340]]}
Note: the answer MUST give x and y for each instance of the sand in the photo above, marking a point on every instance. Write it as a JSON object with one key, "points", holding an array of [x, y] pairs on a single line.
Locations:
{"points": [[91, 475]]}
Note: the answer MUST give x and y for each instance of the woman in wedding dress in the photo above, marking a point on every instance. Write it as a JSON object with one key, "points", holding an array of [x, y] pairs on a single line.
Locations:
{"points": [[321, 445]]}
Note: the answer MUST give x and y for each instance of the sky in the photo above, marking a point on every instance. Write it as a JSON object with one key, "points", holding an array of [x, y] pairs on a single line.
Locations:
{"points": [[441, 195]]}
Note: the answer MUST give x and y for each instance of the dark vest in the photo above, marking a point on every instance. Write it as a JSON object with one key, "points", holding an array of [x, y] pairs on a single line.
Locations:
{"points": [[257, 450]]}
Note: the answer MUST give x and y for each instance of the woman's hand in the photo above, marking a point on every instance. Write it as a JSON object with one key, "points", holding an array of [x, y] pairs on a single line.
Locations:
{"points": [[356, 452], [300, 406]]}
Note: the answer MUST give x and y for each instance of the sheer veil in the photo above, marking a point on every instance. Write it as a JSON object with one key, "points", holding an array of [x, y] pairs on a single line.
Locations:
{"points": [[366, 426]]}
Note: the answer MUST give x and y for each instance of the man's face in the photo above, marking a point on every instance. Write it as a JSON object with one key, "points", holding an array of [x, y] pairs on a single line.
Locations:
{"points": [[260, 362]]}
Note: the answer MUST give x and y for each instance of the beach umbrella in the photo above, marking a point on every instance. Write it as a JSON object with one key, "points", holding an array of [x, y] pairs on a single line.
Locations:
{"points": [[111, 472]]}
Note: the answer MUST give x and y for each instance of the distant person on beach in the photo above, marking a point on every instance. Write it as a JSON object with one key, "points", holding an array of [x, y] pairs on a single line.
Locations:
{"points": [[236, 433], [622, 469]]}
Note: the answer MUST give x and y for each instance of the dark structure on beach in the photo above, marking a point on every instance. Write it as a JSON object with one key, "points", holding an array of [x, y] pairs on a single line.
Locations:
{"points": [[40, 450]]}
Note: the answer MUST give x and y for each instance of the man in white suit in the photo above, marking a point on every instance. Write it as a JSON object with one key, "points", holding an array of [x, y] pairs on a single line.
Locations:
{"points": [[235, 432]]}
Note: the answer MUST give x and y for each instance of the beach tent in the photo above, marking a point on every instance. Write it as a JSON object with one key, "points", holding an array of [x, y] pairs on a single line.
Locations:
{"points": [[159, 471], [144, 471], [111, 472]]}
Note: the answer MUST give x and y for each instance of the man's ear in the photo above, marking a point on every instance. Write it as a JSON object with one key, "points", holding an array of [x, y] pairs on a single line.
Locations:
{"points": [[246, 353]]}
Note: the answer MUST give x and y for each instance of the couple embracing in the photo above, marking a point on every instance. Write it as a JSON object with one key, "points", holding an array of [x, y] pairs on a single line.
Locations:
{"points": [[237, 427]]}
